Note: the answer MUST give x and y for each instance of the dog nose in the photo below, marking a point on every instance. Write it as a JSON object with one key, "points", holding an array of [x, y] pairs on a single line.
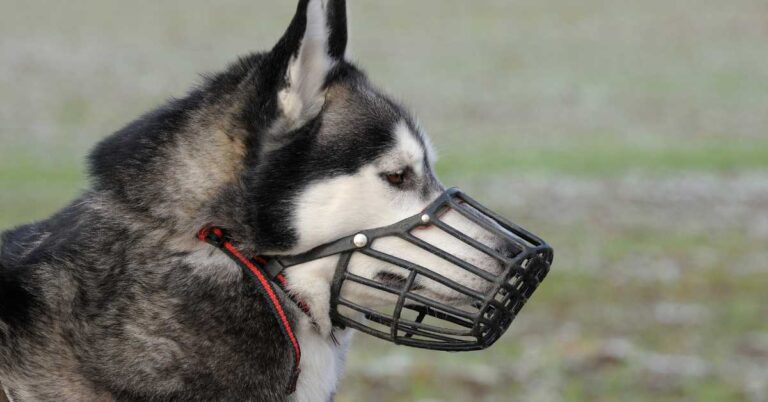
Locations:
{"points": [[509, 249]]}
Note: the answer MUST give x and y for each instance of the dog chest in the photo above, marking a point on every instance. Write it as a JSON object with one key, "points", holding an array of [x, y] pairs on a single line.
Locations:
{"points": [[322, 363]]}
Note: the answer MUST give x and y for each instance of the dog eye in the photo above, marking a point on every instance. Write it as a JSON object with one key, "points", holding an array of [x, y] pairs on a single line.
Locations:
{"points": [[396, 178]]}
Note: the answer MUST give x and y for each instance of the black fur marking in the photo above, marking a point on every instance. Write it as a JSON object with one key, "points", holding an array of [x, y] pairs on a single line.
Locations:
{"points": [[337, 25], [395, 281], [391, 279], [290, 43]]}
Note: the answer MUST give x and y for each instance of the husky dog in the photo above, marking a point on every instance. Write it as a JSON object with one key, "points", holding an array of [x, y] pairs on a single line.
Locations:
{"points": [[114, 299]]}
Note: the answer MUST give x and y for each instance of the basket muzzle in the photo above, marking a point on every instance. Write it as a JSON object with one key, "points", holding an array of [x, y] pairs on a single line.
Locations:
{"points": [[417, 319]]}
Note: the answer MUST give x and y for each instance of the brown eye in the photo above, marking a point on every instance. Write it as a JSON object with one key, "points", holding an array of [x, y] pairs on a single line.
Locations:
{"points": [[395, 179], [398, 178]]}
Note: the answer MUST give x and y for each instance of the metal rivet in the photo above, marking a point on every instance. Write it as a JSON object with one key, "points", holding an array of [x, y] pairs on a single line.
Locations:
{"points": [[360, 240], [425, 218]]}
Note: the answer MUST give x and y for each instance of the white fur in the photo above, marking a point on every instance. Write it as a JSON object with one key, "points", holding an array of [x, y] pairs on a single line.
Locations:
{"points": [[312, 284], [322, 363], [410, 152]]}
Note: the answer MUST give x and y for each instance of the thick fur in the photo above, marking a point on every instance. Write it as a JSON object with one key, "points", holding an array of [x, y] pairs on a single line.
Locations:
{"points": [[113, 298]]}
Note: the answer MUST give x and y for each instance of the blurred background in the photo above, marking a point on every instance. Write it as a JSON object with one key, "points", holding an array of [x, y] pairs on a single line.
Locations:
{"points": [[631, 135]]}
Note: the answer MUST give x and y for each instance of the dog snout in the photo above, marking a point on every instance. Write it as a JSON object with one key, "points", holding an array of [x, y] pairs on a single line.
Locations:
{"points": [[506, 250], [509, 249]]}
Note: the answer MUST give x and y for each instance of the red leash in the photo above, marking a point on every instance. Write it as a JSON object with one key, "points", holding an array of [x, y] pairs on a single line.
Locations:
{"points": [[215, 237]]}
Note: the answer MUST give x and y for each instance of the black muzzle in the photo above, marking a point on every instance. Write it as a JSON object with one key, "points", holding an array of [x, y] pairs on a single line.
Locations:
{"points": [[473, 318]]}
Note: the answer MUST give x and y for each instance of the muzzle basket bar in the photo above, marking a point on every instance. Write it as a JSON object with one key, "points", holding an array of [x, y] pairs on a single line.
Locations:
{"points": [[420, 321]]}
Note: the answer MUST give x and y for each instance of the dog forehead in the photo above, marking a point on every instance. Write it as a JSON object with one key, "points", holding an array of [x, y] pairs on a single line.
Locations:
{"points": [[358, 114], [409, 149], [354, 106]]}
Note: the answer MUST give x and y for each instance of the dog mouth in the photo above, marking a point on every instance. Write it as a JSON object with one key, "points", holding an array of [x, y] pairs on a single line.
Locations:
{"points": [[464, 305], [400, 282], [395, 281]]}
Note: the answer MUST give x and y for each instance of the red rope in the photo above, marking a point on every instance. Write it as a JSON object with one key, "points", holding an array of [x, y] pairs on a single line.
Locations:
{"points": [[272, 296], [215, 236]]}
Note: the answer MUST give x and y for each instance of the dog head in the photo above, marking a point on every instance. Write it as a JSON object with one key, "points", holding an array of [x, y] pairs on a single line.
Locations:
{"points": [[340, 157], [290, 149]]}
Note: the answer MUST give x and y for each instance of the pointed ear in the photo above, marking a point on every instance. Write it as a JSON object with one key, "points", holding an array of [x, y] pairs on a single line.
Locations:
{"points": [[314, 43]]}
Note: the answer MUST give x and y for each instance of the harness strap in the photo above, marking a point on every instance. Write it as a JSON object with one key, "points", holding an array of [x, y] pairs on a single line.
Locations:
{"points": [[215, 237]]}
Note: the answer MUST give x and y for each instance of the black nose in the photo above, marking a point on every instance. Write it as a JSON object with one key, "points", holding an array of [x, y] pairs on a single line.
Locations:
{"points": [[509, 249]]}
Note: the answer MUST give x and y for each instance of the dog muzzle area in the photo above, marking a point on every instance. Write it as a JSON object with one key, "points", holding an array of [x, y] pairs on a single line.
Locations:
{"points": [[416, 318]]}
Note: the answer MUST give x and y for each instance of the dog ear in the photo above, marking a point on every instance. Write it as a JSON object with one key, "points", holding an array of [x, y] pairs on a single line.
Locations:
{"points": [[314, 43]]}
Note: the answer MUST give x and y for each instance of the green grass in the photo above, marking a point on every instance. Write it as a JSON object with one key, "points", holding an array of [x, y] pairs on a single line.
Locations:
{"points": [[596, 157], [34, 186]]}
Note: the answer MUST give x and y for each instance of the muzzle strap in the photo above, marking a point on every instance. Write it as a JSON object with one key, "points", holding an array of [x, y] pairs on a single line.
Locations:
{"points": [[215, 237]]}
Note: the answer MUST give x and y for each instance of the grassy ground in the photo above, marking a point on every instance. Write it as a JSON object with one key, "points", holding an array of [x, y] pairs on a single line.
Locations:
{"points": [[632, 135]]}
